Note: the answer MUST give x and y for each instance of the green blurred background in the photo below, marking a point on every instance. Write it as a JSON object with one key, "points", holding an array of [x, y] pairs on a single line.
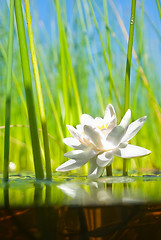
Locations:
{"points": [[86, 46]]}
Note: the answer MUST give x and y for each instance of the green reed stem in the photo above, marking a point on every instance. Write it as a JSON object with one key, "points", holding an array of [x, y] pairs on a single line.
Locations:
{"points": [[15, 81], [159, 7], [105, 56], [62, 61], [84, 29], [145, 81], [39, 91], [28, 90], [50, 96], [128, 67], [8, 93], [64, 52], [108, 45], [73, 77], [109, 168]]}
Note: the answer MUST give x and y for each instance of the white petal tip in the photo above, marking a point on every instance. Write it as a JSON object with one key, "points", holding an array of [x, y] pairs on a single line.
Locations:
{"points": [[58, 169], [142, 119], [148, 152], [68, 126], [145, 153], [128, 111], [128, 114], [66, 154], [61, 170], [110, 106]]}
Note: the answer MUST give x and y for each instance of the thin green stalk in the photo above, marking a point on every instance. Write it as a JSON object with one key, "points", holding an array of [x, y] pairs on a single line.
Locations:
{"points": [[84, 29], [65, 53], [145, 81], [105, 56], [28, 90], [99, 94], [141, 24], [128, 68], [39, 92], [83, 25], [15, 81], [50, 96], [159, 7], [152, 24], [108, 45], [8, 92], [112, 33], [140, 54], [109, 168], [73, 78], [62, 61]]}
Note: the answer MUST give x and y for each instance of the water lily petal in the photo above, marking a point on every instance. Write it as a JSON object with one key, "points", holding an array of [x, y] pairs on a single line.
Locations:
{"points": [[97, 172], [110, 114], [73, 143], [80, 154], [94, 134], [126, 119], [92, 165], [133, 128], [131, 151], [79, 128], [94, 170], [87, 120], [104, 159], [113, 139], [99, 122], [71, 164], [72, 131]]}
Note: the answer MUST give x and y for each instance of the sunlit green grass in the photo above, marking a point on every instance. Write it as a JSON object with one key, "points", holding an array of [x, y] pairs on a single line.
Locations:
{"points": [[82, 68]]}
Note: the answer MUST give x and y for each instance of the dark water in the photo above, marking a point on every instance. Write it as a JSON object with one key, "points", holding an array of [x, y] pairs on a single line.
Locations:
{"points": [[127, 221], [75, 208]]}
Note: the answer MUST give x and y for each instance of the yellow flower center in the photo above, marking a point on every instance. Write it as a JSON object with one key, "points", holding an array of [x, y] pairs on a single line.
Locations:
{"points": [[103, 126]]}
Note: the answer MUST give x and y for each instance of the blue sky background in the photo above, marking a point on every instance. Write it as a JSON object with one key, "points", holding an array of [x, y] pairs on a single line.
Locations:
{"points": [[46, 13]]}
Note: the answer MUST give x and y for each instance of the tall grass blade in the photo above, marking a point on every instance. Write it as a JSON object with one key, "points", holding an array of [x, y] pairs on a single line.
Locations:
{"points": [[140, 40], [28, 90], [109, 168], [159, 7], [65, 54], [56, 115], [105, 55], [84, 28], [8, 92], [128, 68], [62, 61], [108, 45], [72, 74], [39, 92], [129, 56], [15, 80], [145, 81]]}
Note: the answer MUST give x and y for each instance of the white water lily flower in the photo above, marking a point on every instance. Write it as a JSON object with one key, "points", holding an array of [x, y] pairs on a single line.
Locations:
{"points": [[98, 140]]}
